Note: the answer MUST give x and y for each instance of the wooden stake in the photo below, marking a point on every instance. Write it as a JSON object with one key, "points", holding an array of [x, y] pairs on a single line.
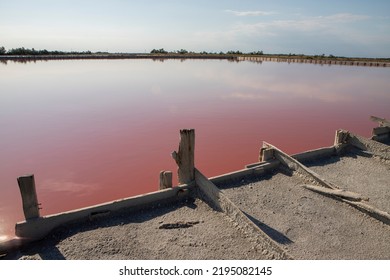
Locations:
{"points": [[340, 137], [266, 154], [165, 180], [185, 156], [29, 196]]}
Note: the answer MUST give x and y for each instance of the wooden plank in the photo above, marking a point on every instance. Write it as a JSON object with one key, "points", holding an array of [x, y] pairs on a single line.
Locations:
{"points": [[381, 138], [36, 229], [380, 130], [221, 203], [29, 196], [270, 164], [305, 156], [165, 180], [315, 154], [339, 193], [380, 121], [258, 168], [381, 134], [184, 157], [370, 210], [295, 165]]}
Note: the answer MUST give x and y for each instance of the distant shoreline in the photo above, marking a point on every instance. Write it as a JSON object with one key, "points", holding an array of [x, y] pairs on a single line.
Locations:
{"points": [[373, 62]]}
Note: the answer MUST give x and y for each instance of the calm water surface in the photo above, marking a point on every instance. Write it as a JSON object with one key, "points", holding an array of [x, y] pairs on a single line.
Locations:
{"points": [[94, 131]]}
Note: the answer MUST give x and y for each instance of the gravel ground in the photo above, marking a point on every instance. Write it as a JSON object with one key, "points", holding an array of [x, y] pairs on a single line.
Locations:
{"points": [[358, 172], [307, 224], [187, 230]]}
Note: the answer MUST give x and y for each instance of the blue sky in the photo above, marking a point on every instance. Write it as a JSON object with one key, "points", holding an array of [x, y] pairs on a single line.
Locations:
{"points": [[345, 28]]}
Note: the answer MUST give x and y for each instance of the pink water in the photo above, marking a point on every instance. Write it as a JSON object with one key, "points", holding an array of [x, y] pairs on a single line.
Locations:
{"points": [[95, 131]]}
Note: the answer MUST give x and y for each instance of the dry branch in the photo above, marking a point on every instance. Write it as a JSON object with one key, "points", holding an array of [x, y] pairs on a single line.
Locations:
{"points": [[337, 192]]}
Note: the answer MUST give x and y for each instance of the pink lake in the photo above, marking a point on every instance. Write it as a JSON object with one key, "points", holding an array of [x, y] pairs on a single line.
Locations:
{"points": [[97, 130]]}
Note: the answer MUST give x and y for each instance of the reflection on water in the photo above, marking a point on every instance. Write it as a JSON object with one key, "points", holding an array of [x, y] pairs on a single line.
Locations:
{"points": [[97, 130]]}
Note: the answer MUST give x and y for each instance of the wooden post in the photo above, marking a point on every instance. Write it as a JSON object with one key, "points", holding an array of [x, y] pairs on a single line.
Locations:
{"points": [[382, 132], [185, 156], [165, 180], [266, 153], [340, 137], [29, 196]]}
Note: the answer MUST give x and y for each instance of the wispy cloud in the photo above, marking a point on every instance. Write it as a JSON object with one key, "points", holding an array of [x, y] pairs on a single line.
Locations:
{"points": [[345, 17], [249, 96], [67, 186], [303, 24], [249, 13], [332, 33]]}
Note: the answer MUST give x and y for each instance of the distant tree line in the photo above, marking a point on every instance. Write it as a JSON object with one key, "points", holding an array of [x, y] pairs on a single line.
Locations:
{"points": [[159, 51], [183, 51], [25, 51]]}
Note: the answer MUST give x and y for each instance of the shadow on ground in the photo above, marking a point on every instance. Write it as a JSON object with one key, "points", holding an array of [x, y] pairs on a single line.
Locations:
{"points": [[274, 234]]}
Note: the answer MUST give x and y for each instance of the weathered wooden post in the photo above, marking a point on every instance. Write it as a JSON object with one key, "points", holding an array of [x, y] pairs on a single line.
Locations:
{"points": [[185, 156], [340, 137], [266, 153], [29, 196], [382, 132], [165, 180]]}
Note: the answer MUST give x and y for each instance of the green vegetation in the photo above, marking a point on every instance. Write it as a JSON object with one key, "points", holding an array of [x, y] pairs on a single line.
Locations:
{"points": [[182, 51], [256, 53], [19, 53], [186, 52], [24, 51], [160, 51], [234, 52]]}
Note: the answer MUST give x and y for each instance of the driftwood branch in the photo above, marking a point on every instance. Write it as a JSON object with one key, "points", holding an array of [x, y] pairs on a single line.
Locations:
{"points": [[337, 192], [371, 210], [330, 188]]}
